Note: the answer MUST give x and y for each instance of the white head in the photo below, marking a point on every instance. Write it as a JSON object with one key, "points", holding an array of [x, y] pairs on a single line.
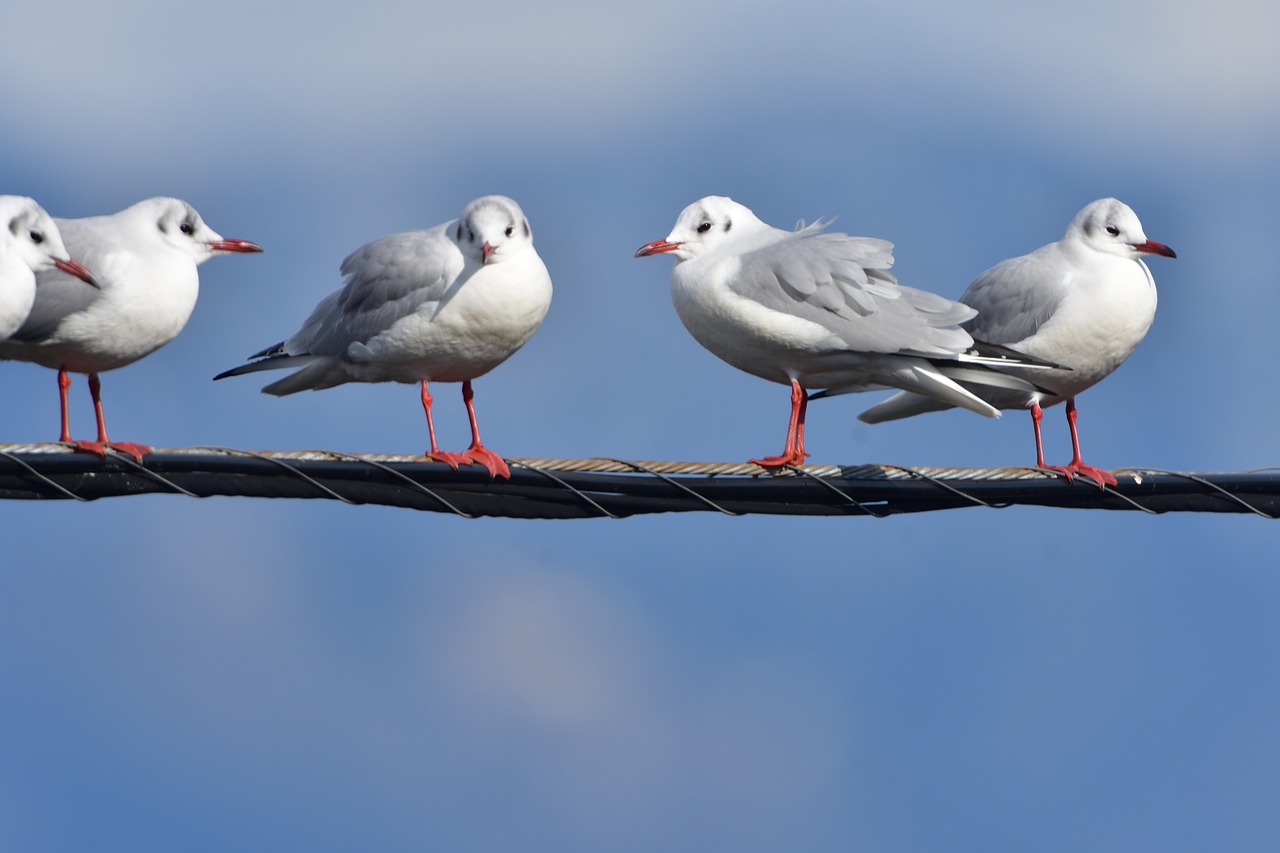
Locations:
{"points": [[31, 235], [492, 229], [1109, 225], [177, 225], [706, 225]]}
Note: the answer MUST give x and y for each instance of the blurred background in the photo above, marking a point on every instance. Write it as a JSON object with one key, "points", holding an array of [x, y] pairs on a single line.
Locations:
{"points": [[252, 674]]}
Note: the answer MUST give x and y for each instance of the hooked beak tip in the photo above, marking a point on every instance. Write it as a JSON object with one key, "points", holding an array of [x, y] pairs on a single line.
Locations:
{"points": [[1151, 247]]}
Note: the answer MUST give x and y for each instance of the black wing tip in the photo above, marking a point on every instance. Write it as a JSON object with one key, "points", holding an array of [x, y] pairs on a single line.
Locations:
{"points": [[1015, 357], [235, 371], [256, 362], [273, 350]]}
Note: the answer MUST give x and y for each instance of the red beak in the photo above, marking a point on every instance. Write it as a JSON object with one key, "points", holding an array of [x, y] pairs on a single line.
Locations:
{"points": [[486, 251], [234, 246], [77, 269], [656, 247], [1151, 247]]}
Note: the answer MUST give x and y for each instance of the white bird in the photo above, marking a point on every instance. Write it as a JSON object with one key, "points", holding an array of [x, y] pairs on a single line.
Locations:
{"points": [[29, 243], [815, 309], [144, 259], [1084, 303], [444, 304]]}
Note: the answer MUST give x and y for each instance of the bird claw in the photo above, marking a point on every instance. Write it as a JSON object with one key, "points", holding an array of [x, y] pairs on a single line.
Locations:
{"points": [[1097, 475], [493, 463], [87, 447], [100, 448], [781, 461], [453, 460], [129, 448]]}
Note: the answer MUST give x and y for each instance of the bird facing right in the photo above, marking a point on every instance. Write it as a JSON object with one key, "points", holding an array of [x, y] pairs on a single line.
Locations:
{"points": [[29, 243], [144, 259], [1084, 302]]}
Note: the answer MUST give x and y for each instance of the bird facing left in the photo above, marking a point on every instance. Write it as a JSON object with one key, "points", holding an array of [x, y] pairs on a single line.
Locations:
{"points": [[29, 243]]}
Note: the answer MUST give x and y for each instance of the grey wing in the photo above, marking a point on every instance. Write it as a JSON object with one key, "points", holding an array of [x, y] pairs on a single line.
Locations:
{"points": [[1013, 300], [57, 295], [387, 279], [844, 284]]}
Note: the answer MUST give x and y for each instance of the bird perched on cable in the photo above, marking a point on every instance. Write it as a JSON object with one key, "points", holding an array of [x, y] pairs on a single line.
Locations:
{"points": [[29, 243], [813, 309], [1084, 303], [444, 304], [144, 259]]}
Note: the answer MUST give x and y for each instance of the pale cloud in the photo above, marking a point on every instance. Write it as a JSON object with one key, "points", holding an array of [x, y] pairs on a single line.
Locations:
{"points": [[1179, 74]]}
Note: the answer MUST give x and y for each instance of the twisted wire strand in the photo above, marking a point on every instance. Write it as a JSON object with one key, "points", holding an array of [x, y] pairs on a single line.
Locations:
{"points": [[613, 488]]}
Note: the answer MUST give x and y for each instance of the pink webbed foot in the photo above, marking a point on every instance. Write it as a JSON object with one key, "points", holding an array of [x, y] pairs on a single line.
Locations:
{"points": [[790, 457], [86, 446], [453, 460], [129, 448], [100, 448], [1098, 475], [492, 462]]}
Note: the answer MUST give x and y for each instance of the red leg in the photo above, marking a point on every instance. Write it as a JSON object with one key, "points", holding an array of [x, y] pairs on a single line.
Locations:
{"points": [[137, 451], [1077, 465], [793, 453], [1037, 415], [477, 453], [1099, 476], [64, 385], [435, 454]]}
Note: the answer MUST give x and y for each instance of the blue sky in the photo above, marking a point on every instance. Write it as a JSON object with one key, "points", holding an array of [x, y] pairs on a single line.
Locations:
{"points": [[266, 674]]}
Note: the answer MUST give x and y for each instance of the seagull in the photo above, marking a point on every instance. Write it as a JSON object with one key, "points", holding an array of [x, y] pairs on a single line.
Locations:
{"points": [[815, 309], [144, 259], [444, 304], [1084, 303], [29, 243]]}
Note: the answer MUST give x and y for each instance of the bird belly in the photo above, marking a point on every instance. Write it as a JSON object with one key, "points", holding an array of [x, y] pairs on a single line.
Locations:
{"points": [[751, 337], [461, 338], [107, 334], [1092, 342]]}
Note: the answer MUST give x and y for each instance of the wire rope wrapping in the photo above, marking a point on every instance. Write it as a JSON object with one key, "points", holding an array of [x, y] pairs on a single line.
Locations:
{"points": [[612, 488]]}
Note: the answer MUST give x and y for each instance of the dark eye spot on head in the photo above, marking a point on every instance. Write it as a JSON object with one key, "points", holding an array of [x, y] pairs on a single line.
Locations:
{"points": [[37, 236], [1113, 231], [704, 227], [187, 227], [14, 226], [526, 228], [728, 223], [510, 230], [459, 236]]}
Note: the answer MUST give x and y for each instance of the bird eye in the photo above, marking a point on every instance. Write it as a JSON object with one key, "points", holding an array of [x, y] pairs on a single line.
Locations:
{"points": [[704, 228], [510, 230], [37, 236], [187, 228], [1113, 231]]}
